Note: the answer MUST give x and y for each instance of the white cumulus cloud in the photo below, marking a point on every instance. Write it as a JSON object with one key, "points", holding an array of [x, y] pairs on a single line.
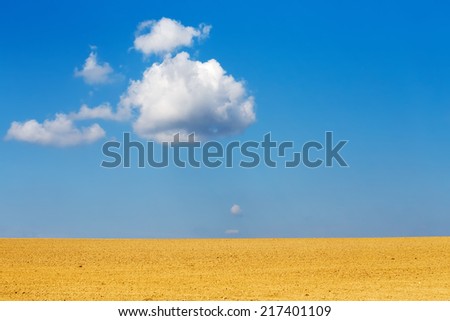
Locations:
{"points": [[235, 209], [62, 130], [94, 72], [177, 95], [59, 132], [180, 95], [165, 35]]}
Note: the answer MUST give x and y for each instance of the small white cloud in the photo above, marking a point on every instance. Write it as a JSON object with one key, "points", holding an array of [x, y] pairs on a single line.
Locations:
{"points": [[103, 111], [94, 72], [165, 35], [232, 232], [59, 132], [183, 96], [235, 209]]}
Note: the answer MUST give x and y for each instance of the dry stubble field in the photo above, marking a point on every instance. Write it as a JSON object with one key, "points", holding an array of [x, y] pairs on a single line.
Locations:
{"points": [[225, 269]]}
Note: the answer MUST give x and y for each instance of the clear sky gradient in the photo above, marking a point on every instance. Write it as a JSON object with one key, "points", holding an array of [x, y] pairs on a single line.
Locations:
{"points": [[376, 73]]}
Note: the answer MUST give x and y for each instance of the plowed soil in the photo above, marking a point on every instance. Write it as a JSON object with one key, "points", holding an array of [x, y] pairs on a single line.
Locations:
{"points": [[225, 269]]}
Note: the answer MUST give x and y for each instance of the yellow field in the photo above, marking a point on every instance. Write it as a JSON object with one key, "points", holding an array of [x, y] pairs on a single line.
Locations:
{"points": [[225, 269]]}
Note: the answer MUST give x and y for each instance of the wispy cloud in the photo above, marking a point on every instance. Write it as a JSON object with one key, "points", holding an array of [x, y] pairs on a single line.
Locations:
{"points": [[231, 232], [103, 111]]}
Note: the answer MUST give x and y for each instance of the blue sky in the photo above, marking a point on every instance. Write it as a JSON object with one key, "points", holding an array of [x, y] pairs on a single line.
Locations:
{"points": [[374, 73]]}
